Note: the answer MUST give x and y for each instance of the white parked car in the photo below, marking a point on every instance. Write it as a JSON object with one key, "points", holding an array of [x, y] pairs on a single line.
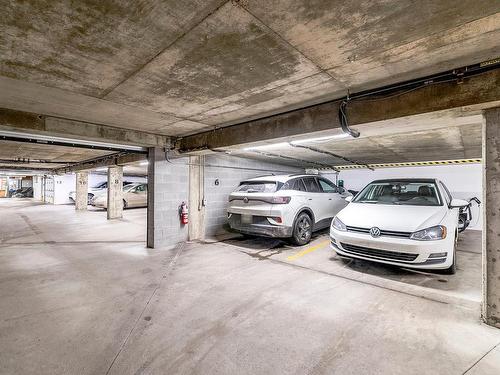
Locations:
{"points": [[285, 206], [405, 222], [101, 187], [134, 195]]}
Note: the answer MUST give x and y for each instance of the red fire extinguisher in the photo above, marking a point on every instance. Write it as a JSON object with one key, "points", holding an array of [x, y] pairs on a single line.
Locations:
{"points": [[183, 210]]}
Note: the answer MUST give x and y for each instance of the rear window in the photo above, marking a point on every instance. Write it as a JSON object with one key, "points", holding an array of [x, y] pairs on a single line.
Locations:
{"points": [[257, 187]]}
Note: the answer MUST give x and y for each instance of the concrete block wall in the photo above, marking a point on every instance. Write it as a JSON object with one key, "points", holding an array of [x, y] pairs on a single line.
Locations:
{"points": [[171, 188], [228, 179]]}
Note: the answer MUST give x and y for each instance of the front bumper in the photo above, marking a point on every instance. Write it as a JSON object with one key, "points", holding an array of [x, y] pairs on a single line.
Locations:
{"points": [[98, 204], [259, 229], [395, 251]]}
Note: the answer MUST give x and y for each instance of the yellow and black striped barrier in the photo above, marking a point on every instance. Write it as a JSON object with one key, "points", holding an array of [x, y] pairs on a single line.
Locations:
{"points": [[409, 164]]}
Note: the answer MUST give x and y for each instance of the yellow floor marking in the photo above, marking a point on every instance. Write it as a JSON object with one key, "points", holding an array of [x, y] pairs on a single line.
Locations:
{"points": [[308, 250]]}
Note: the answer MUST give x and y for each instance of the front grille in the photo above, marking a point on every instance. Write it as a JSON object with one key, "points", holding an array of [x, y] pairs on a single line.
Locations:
{"points": [[376, 253], [389, 233]]}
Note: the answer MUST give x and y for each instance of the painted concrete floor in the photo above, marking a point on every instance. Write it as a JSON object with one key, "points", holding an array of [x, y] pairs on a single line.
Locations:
{"points": [[81, 295]]}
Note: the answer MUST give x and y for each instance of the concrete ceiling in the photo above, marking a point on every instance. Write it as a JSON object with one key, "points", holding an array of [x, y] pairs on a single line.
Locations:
{"points": [[180, 67], [446, 135]]}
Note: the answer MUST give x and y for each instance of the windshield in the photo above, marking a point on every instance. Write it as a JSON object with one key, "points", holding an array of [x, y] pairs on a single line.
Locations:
{"points": [[400, 193], [127, 188], [257, 187], [100, 185]]}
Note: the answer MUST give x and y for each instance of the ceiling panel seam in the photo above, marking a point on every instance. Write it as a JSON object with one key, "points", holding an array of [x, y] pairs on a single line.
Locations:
{"points": [[308, 58], [110, 89]]}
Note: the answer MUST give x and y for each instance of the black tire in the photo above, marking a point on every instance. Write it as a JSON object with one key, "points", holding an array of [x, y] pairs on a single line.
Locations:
{"points": [[302, 230], [124, 204]]}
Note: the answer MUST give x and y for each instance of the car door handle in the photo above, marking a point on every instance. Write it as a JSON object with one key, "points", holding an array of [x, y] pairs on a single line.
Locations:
{"points": [[329, 199], [310, 199]]}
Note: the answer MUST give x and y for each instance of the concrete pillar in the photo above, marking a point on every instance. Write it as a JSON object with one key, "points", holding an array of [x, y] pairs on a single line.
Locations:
{"points": [[491, 217], [82, 190], [115, 192], [168, 187], [196, 198]]}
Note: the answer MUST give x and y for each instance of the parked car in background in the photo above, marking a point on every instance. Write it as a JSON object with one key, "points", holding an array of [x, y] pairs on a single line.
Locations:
{"points": [[405, 222], [285, 206], [100, 187], [134, 195], [26, 192]]}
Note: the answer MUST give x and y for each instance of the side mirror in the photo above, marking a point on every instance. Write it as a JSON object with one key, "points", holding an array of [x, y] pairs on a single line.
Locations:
{"points": [[349, 198], [457, 203]]}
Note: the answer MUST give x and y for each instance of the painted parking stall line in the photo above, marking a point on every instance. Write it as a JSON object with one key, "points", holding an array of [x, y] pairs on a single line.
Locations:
{"points": [[309, 250]]}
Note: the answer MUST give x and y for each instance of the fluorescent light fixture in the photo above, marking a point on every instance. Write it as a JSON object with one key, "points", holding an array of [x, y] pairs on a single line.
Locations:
{"points": [[70, 140], [101, 169], [320, 139], [267, 147], [144, 163]]}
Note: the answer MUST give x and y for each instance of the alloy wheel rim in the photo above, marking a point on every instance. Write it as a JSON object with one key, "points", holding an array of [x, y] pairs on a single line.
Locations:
{"points": [[303, 228]]}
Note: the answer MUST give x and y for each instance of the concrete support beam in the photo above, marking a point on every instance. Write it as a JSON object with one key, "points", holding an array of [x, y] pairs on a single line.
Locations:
{"points": [[33, 123], [82, 190], [115, 192], [105, 161], [480, 92], [196, 198], [491, 218]]}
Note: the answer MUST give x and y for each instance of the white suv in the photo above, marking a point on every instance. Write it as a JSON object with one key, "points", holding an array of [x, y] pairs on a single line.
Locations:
{"points": [[285, 206]]}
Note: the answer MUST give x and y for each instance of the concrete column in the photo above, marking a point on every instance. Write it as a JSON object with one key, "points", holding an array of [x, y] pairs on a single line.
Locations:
{"points": [[82, 190], [491, 217], [196, 198], [115, 192], [168, 187], [150, 230]]}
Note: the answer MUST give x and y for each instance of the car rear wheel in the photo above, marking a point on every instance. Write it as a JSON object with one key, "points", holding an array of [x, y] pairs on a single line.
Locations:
{"points": [[124, 204], [302, 230]]}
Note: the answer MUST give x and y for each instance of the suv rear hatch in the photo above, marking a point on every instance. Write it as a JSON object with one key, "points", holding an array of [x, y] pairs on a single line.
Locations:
{"points": [[253, 198]]}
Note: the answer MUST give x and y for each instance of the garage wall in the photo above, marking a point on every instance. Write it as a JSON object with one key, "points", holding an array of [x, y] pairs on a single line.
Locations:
{"points": [[464, 181], [63, 185], [228, 180]]}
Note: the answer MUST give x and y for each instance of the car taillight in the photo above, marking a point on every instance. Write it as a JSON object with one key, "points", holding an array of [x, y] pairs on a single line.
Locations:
{"points": [[280, 200]]}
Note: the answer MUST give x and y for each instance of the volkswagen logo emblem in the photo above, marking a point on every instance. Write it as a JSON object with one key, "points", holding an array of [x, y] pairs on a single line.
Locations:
{"points": [[245, 200], [375, 232]]}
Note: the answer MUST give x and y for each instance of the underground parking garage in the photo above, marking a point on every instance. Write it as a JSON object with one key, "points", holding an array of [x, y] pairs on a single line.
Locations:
{"points": [[248, 126]]}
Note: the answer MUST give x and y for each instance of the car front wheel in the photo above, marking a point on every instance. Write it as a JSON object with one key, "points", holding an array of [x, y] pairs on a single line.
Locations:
{"points": [[302, 230], [451, 270]]}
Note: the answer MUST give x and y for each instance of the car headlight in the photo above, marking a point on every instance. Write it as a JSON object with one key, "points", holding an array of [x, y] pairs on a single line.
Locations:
{"points": [[338, 224], [437, 232]]}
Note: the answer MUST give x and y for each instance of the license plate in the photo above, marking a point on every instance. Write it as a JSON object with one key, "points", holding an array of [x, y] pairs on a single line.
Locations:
{"points": [[246, 219]]}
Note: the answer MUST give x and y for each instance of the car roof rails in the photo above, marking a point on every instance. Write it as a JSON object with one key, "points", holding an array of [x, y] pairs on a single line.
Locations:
{"points": [[265, 175]]}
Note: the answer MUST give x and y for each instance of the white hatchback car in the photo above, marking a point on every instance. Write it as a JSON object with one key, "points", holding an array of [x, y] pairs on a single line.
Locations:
{"points": [[405, 222], [285, 206]]}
